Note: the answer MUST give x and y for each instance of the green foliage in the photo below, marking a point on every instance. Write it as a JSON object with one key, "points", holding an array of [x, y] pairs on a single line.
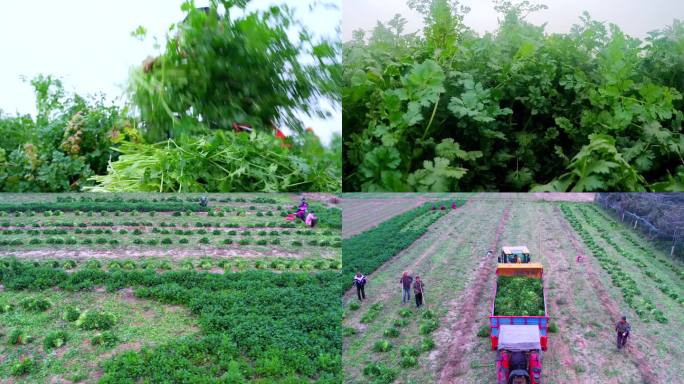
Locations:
{"points": [[354, 306], [368, 250], [23, 367], [485, 331], [427, 344], [380, 373], [55, 340], [553, 328], [100, 320], [426, 327], [519, 296], [37, 304], [391, 332], [382, 346], [70, 139], [515, 109], [107, 338], [71, 314], [19, 337]]}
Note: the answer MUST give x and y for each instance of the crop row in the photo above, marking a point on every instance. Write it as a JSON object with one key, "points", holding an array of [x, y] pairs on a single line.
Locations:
{"points": [[73, 240], [216, 212], [202, 264], [619, 278], [407, 356], [628, 236], [163, 231], [163, 224], [255, 325], [172, 198], [368, 250], [607, 235]]}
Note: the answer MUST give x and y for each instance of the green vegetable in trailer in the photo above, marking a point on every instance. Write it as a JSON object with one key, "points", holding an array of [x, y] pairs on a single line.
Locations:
{"points": [[519, 296]]}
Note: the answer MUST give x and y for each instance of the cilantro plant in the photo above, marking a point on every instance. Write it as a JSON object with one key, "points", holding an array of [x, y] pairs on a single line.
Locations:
{"points": [[517, 109]]}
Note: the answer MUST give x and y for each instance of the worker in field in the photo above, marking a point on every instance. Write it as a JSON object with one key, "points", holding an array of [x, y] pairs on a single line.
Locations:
{"points": [[311, 219], [453, 205], [360, 283], [405, 282], [418, 287], [622, 328]]}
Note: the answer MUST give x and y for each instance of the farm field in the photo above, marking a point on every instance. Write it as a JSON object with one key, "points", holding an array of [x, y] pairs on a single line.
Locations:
{"points": [[387, 342], [362, 211], [132, 307]]}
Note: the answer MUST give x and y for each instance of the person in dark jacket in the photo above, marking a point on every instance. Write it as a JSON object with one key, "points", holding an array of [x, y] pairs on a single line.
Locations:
{"points": [[418, 287], [622, 328], [360, 283], [405, 282]]}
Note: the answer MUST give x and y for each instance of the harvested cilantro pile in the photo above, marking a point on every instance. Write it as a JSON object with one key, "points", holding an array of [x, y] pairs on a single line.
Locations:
{"points": [[519, 296]]}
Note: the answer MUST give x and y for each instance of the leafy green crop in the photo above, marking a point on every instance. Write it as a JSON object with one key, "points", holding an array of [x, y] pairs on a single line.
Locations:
{"points": [[515, 109]]}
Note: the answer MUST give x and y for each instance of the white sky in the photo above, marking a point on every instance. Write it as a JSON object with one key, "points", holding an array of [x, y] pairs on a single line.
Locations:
{"points": [[87, 44], [635, 17]]}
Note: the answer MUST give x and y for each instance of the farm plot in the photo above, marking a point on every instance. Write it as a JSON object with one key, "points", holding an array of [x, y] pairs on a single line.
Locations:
{"points": [[257, 302], [233, 233], [583, 301], [361, 213], [242, 327]]}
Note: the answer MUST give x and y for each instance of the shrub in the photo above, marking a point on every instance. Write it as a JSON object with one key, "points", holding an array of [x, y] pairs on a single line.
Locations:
{"points": [[167, 241], [244, 242], [23, 367], [6, 308], [19, 337], [354, 306], [113, 242], [55, 340], [427, 344], [101, 240], [391, 332], [137, 231], [71, 240], [427, 327], [114, 265], [165, 265], [152, 242], [187, 265], [37, 304], [297, 243], [399, 323], [227, 241], [382, 346], [216, 232], [138, 241], [100, 320], [71, 313], [107, 339], [204, 240], [381, 373], [262, 242], [553, 328], [183, 241]]}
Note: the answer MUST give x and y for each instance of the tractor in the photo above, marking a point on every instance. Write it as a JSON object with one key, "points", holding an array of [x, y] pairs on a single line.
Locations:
{"points": [[516, 254], [519, 355]]}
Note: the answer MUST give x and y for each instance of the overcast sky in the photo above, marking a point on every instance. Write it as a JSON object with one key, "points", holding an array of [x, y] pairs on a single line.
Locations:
{"points": [[87, 43], [635, 17]]}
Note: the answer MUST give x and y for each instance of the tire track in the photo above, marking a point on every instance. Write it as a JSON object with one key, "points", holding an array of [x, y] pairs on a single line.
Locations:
{"points": [[464, 326]]}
